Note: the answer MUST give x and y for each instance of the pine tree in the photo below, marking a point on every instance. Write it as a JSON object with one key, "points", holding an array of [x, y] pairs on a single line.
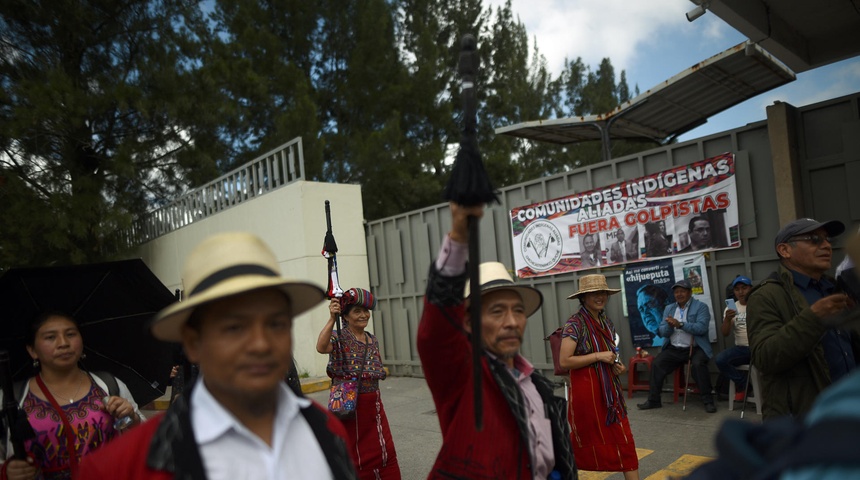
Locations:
{"points": [[96, 121], [261, 60]]}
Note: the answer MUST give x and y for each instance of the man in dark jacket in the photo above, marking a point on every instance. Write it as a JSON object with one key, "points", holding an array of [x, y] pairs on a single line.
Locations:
{"points": [[796, 352]]}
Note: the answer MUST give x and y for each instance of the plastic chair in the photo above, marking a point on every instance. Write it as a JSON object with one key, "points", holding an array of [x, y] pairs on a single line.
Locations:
{"points": [[751, 379], [633, 381]]}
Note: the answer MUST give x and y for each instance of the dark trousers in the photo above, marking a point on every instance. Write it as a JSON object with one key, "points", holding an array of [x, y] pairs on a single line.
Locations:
{"points": [[672, 358], [729, 359]]}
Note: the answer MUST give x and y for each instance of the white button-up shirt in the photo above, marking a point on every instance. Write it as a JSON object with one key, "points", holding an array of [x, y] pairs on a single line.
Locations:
{"points": [[230, 451], [679, 337]]}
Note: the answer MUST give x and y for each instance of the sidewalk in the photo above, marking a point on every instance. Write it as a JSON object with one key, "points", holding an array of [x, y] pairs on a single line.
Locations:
{"points": [[664, 436]]}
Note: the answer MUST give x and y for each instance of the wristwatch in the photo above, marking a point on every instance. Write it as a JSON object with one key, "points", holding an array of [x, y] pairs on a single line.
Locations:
{"points": [[681, 324]]}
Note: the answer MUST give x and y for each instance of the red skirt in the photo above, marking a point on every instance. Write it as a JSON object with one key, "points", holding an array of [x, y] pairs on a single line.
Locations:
{"points": [[370, 443], [597, 446]]}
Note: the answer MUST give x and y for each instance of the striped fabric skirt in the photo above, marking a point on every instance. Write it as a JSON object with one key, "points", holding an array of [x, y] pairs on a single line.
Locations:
{"points": [[596, 446], [370, 443]]}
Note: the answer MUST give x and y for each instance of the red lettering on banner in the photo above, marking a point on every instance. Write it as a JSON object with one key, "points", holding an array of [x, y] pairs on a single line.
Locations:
{"points": [[630, 219], [679, 209], [594, 226]]}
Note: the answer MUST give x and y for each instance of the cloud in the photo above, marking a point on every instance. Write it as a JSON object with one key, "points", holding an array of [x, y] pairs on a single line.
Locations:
{"points": [[596, 29]]}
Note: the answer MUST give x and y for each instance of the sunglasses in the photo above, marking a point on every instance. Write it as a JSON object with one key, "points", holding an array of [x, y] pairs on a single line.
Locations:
{"points": [[813, 239]]}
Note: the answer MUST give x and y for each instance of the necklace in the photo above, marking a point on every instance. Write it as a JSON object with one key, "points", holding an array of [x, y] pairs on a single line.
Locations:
{"points": [[74, 395]]}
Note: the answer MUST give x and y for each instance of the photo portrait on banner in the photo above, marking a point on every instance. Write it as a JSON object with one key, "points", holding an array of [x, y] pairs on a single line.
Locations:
{"points": [[686, 209], [648, 289]]}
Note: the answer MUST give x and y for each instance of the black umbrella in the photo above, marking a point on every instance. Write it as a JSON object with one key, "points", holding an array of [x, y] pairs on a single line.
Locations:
{"points": [[469, 185], [113, 302]]}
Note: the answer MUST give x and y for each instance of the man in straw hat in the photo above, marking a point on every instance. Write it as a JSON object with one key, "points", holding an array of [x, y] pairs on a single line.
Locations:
{"points": [[796, 344], [524, 432], [685, 331], [239, 420]]}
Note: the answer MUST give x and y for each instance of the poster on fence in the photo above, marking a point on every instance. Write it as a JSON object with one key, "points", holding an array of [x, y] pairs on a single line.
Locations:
{"points": [[647, 290], [692, 208]]}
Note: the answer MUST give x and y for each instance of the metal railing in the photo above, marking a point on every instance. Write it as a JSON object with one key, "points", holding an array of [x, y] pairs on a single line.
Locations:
{"points": [[270, 171]]}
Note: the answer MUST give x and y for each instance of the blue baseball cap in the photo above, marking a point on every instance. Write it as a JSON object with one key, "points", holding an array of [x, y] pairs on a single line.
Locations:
{"points": [[741, 279]]}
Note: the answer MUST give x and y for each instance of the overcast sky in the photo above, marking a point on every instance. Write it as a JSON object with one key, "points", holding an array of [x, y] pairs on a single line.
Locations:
{"points": [[653, 41]]}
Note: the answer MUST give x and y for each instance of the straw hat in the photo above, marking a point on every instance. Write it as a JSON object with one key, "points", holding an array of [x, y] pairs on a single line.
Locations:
{"points": [[593, 283], [229, 264], [494, 276]]}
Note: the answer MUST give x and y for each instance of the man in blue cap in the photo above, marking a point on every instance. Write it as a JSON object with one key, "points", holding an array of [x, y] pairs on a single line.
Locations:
{"points": [[793, 340], [735, 320]]}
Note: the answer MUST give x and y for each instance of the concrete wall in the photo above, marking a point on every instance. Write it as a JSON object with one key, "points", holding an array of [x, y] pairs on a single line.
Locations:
{"points": [[291, 220]]}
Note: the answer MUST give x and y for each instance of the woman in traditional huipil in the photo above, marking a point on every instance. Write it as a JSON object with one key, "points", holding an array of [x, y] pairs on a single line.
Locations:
{"points": [[600, 430], [70, 409], [352, 353]]}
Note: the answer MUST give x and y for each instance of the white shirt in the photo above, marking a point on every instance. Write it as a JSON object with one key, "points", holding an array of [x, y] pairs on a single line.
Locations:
{"points": [[679, 337], [740, 325], [230, 451]]}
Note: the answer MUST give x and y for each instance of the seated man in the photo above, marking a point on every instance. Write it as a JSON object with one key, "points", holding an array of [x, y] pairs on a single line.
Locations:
{"points": [[685, 332], [736, 321], [239, 420]]}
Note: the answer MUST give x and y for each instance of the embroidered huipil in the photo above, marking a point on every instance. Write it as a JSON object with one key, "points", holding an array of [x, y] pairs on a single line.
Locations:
{"points": [[92, 428], [345, 365]]}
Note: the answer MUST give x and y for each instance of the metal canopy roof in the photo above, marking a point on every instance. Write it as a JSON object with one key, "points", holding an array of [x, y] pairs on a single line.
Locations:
{"points": [[673, 107], [802, 34]]}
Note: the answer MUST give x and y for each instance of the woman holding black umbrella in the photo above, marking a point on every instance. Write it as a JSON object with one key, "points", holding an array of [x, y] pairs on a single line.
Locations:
{"points": [[69, 409], [355, 353]]}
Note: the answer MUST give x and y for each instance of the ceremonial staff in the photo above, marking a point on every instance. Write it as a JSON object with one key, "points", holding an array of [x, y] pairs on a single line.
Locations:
{"points": [[469, 185], [329, 251]]}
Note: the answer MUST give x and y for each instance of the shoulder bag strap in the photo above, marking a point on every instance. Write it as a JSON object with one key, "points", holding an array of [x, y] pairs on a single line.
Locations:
{"points": [[67, 427], [110, 382]]}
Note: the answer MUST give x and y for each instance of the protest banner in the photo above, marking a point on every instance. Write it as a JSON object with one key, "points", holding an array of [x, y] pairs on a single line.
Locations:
{"points": [[692, 208], [647, 288]]}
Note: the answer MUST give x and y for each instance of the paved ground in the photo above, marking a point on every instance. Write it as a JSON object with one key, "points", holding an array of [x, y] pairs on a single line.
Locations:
{"points": [[669, 439]]}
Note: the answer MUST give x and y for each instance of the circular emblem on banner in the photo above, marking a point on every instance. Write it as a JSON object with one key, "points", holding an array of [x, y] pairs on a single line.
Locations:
{"points": [[541, 245]]}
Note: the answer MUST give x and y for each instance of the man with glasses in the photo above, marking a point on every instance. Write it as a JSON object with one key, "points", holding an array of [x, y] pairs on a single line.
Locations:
{"points": [[792, 316]]}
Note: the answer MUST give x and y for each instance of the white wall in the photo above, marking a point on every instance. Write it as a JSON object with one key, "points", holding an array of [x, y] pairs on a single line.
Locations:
{"points": [[291, 220]]}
